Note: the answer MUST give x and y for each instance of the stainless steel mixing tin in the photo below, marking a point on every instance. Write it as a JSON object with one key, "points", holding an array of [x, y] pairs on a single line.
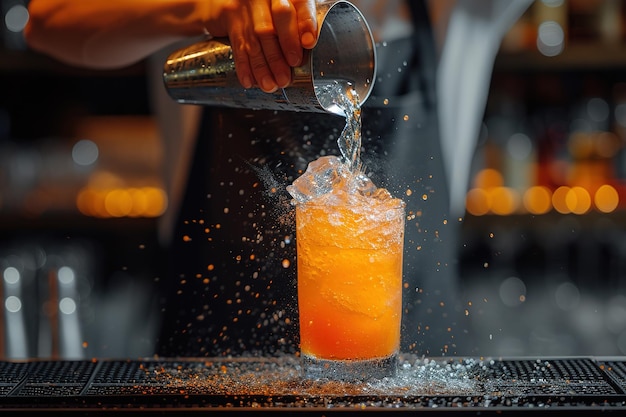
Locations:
{"points": [[204, 72]]}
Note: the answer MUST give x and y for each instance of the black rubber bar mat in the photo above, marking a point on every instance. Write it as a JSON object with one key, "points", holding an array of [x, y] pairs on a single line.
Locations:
{"points": [[266, 386]]}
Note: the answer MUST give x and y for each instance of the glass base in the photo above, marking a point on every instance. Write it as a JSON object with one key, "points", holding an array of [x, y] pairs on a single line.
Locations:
{"points": [[349, 370]]}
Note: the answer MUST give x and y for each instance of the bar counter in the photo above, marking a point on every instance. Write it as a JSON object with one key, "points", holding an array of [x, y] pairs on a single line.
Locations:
{"points": [[267, 386]]}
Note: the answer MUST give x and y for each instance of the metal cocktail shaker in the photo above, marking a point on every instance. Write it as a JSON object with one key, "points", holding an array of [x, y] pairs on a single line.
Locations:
{"points": [[204, 73]]}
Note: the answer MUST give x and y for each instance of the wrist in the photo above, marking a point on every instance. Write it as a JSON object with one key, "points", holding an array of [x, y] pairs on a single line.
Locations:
{"points": [[189, 18]]}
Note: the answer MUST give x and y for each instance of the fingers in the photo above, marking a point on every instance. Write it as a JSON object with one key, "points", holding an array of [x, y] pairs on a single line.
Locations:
{"points": [[240, 46], [248, 52], [286, 23], [269, 64], [267, 37], [307, 22], [242, 63]]}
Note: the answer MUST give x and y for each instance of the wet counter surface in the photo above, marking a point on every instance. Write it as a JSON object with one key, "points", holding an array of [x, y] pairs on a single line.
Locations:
{"points": [[446, 386]]}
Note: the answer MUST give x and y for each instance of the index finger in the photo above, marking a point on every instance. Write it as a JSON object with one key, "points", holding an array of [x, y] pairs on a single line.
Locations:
{"points": [[307, 22]]}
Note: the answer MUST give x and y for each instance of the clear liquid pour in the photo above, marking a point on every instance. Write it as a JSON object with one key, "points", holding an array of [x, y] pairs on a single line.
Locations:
{"points": [[342, 95]]}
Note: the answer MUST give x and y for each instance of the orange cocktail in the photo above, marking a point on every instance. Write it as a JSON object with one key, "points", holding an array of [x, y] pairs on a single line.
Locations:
{"points": [[350, 279]]}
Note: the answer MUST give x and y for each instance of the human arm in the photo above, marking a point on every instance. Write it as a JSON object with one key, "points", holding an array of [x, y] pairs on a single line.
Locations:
{"points": [[267, 36]]}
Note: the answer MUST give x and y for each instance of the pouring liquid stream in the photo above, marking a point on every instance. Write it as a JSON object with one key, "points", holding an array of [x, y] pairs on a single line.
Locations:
{"points": [[342, 97]]}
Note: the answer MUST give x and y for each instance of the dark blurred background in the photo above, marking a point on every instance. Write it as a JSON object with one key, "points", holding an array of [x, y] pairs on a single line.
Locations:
{"points": [[543, 252]]}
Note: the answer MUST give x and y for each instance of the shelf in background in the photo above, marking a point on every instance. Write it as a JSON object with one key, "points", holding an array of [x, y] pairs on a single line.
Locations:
{"points": [[576, 56]]}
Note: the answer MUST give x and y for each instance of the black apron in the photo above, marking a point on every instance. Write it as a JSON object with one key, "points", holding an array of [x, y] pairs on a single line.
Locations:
{"points": [[231, 288]]}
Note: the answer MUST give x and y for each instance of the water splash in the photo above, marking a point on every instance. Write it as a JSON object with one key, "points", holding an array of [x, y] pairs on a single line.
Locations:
{"points": [[282, 376]]}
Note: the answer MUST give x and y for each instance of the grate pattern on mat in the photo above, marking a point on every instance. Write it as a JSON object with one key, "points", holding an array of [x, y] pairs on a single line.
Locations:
{"points": [[455, 383], [547, 377]]}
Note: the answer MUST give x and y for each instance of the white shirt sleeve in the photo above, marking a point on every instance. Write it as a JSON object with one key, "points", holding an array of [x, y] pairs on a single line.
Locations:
{"points": [[473, 37]]}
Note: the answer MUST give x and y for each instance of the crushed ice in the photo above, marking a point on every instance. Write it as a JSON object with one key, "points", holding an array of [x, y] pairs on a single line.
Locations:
{"points": [[330, 176]]}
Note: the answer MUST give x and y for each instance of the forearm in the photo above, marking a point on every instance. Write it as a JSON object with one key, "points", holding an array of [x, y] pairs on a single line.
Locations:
{"points": [[267, 36], [111, 33]]}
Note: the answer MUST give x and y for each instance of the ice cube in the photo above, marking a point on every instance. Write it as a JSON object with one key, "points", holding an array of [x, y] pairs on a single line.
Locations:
{"points": [[363, 185], [320, 177]]}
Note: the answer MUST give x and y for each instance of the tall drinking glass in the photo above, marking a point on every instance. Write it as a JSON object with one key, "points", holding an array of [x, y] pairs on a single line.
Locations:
{"points": [[350, 288]]}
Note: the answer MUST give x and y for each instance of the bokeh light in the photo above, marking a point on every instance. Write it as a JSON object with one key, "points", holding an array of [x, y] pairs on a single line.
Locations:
{"points": [[66, 275], [567, 296], [620, 114], [16, 18], [553, 3], [578, 200], [598, 109], [13, 304], [559, 197], [11, 275], [537, 200], [512, 292], [122, 202], [606, 198], [504, 200], [488, 178], [550, 38], [85, 152], [477, 202], [519, 146]]}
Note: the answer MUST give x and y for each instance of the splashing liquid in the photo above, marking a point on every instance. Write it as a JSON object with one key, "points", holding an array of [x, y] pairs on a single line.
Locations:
{"points": [[333, 180]]}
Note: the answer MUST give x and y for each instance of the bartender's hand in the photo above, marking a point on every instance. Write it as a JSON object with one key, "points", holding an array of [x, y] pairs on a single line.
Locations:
{"points": [[267, 37]]}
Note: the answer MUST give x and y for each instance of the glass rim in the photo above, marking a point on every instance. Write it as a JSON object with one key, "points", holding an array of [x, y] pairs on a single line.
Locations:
{"points": [[400, 205]]}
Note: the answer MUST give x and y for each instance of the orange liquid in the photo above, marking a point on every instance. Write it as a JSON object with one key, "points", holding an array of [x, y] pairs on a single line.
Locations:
{"points": [[349, 282]]}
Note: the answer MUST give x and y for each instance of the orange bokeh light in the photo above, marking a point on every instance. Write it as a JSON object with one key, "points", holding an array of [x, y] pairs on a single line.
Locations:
{"points": [[606, 198], [578, 200], [488, 178], [504, 200], [559, 198], [477, 202], [121, 202], [537, 200]]}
